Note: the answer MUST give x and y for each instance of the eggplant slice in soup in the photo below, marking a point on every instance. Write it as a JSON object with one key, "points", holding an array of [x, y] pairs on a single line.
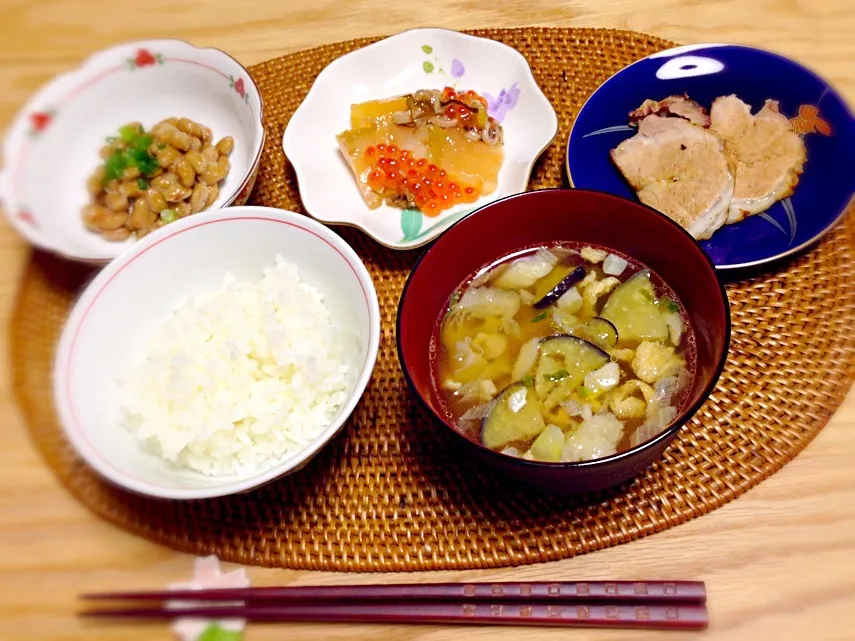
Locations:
{"points": [[599, 331], [564, 362], [632, 308], [572, 277], [513, 416]]}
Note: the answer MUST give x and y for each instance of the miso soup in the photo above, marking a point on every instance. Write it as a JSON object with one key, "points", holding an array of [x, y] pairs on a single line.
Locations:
{"points": [[563, 353]]}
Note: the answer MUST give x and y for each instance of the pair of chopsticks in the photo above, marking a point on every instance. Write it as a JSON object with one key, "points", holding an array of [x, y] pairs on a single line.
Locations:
{"points": [[659, 605]]}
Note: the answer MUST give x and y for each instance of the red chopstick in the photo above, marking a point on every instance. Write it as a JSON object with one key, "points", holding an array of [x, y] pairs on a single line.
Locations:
{"points": [[670, 592], [661, 605], [657, 617]]}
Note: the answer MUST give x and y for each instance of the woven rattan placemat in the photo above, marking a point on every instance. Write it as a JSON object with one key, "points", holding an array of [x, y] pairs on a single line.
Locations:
{"points": [[388, 494]]}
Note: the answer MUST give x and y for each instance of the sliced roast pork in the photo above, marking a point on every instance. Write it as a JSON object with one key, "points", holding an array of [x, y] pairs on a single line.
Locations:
{"points": [[679, 168], [680, 106], [765, 155]]}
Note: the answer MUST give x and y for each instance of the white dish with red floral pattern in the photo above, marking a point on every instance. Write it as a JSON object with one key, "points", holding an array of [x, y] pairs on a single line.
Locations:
{"points": [[53, 144]]}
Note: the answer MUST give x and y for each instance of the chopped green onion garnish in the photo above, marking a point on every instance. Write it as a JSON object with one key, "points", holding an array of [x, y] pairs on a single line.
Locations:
{"points": [[143, 142], [142, 184], [135, 156], [528, 380], [168, 215], [127, 133], [539, 317], [111, 139], [669, 304], [648, 295], [144, 161], [557, 376], [114, 167], [583, 392]]}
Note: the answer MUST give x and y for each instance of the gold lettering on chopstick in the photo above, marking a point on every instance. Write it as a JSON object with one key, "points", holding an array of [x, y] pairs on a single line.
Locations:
{"points": [[469, 609], [612, 612], [498, 590], [671, 613], [642, 614], [582, 589], [640, 588], [554, 589], [469, 590], [525, 589], [526, 611], [611, 588], [670, 588], [583, 612], [496, 610], [553, 611]]}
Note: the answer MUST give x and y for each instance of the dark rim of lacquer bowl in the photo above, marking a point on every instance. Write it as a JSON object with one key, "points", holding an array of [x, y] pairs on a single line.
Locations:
{"points": [[665, 435]]}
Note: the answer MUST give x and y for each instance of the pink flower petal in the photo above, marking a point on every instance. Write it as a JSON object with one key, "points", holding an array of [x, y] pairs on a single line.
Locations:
{"points": [[207, 575]]}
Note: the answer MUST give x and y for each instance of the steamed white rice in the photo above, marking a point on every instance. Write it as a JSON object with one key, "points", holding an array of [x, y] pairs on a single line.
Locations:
{"points": [[241, 377]]}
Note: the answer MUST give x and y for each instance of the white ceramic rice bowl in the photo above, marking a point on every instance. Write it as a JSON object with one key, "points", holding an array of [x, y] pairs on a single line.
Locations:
{"points": [[108, 330]]}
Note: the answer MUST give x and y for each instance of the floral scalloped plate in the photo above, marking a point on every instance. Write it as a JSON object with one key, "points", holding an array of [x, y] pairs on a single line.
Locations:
{"points": [[52, 146], [404, 63]]}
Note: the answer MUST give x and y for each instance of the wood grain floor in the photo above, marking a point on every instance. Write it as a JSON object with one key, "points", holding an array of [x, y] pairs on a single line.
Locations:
{"points": [[778, 561]]}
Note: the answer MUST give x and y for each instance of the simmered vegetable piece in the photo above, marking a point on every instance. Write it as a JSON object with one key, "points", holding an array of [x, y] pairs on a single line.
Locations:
{"points": [[549, 445], [598, 331], [561, 287], [526, 271], [602, 379], [633, 310], [512, 416], [564, 361], [526, 359]]}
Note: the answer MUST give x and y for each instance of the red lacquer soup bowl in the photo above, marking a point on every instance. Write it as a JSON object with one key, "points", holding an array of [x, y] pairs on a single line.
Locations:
{"points": [[544, 217]]}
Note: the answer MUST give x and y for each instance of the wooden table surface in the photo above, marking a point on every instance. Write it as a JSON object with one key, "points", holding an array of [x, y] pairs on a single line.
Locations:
{"points": [[779, 562]]}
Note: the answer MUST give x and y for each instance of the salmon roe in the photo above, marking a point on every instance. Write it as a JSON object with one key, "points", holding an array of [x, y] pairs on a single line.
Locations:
{"points": [[394, 171]]}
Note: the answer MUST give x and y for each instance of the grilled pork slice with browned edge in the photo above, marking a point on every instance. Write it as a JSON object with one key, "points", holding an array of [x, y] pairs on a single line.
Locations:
{"points": [[680, 169], [681, 106], [765, 155]]}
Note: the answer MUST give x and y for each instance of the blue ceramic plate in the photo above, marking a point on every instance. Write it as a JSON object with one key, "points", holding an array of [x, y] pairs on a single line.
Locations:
{"points": [[705, 72]]}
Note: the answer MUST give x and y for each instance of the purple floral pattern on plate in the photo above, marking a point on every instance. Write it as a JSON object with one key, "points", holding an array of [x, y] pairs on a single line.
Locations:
{"points": [[507, 99], [497, 107]]}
